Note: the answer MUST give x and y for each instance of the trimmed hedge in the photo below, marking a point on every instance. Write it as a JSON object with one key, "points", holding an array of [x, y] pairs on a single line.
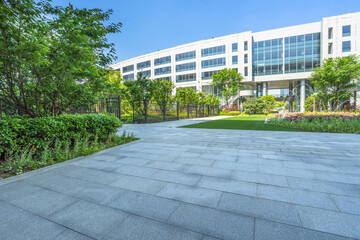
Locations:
{"points": [[36, 133]]}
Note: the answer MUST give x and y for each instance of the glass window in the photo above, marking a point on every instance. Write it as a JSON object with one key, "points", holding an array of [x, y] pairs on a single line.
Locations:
{"points": [[163, 60], [330, 48], [245, 46], [186, 78], [234, 60], [186, 67], [213, 51], [346, 30], [213, 63], [185, 56], [234, 47], [128, 77], [164, 78], [163, 70], [246, 71], [145, 73], [346, 46], [330, 33], [143, 65], [208, 75], [246, 58], [128, 68]]}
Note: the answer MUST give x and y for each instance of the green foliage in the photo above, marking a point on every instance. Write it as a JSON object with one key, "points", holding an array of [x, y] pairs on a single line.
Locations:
{"points": [[113, 84], [255, 106], [51, 57], [229, 80], [231, 113], [212, 99], [269, 101], [42, 133], [186, 95], [163, 96], [335, 78]]}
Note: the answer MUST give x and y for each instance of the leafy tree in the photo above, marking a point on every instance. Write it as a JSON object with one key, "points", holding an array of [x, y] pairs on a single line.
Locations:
{"points": [[52, 56], [113, 83], [186, 95], [254, 106], [316, 102], [229, 80], [334, 78], [269, 101], [201, 98], [163, 96], [212, 100]]}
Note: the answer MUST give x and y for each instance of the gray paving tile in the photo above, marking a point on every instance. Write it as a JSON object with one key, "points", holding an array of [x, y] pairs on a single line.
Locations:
{"points": [[260, 178], [266, 230], [139, 184], [302, 173], [296, 196], [133, 161], [88, 218], [15, 190], [172, 166], [338, 177], [194, 161], [106, 157], [342, 224], [208, 171], [261, 208], [135, 170], [235, 166], [204, 197], [213, 222], [135, 227], [19, 224], [71, 235], [145, 205], [228, 185], [347, 204], [175, 177], [217, 156]]}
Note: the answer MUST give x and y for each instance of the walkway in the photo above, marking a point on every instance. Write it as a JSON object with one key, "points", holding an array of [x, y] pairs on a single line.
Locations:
{"points": [[179, 183]]}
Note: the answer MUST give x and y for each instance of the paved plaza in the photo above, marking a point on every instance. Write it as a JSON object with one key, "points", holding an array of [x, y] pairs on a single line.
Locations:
{"points": [[181, 183]]}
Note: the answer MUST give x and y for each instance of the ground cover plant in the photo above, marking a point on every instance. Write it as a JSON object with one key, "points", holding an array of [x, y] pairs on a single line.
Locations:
{"points": [[241, 123], [335, 122], [32, 143]]}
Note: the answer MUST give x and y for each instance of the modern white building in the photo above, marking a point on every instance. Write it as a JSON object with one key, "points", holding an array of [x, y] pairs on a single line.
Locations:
{"points": [[273, 62]]}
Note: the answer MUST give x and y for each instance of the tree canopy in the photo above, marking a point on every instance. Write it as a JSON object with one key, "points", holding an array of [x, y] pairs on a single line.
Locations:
{"points": [[229, 80], [52, 56]]}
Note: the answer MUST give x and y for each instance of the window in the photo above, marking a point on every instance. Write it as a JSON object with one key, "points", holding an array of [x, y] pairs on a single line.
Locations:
{"points": [[246, 58], [212, 51], [163, 60], [245, 46], [330, 33], [330, 48], [186, 67], [267, 56], [128, 77], [145, 73], [143, 65], [208, 75], [186, 78], [128, 68], [346, 30], [163, 70], [234, 47], [213, 63], [346, 46], [234, 60], [185, 56], [164, 78], [246, 71]]}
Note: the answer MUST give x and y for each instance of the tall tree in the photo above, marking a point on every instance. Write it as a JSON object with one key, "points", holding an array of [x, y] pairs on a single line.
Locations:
{"points": [[52, 56], [335, 78], [163, 96], [229, 80]]}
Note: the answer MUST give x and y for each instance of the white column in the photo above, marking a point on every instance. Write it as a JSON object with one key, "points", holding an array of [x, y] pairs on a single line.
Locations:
{"points": [[302, 96], [264, 90]]}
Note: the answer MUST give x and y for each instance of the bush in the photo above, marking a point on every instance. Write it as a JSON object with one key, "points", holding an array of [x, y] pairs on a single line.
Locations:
{"points": [[35, 134], [255, 106], [231, 113]]}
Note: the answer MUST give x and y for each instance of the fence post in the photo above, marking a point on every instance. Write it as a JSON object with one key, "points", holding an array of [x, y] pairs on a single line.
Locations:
{"points": [[203, 110], [133, 105], [188, 109], [208, 107], [164, 113], [119, 107], [145, 106], [196, 110], [177, 110]]}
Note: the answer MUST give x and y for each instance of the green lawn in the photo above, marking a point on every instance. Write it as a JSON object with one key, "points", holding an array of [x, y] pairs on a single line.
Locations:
{"points": [[241, 123]]}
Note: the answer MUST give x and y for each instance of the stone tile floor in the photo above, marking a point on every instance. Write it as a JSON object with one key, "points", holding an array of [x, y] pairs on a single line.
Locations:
{"points": [[180, 183]]}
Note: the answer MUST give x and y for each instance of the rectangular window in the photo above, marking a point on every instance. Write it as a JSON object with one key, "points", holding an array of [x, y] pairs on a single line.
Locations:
{"points": [[346, 30], [330, 33], [234, 47], [128, 68], [245, 46], [213, 51], [163, 60], [185, 56], [213, 63], [234, 60], [164, 78], [346, 46], [246, 71], [246, 58], [143, 65], [330, 48], [145, 73], [186, 67], [186, 78], [208, 75], [128, 77], [163, 70]]}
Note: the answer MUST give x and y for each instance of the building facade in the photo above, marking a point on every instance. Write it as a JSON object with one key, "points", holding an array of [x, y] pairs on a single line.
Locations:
{"points": [[276, 62]]}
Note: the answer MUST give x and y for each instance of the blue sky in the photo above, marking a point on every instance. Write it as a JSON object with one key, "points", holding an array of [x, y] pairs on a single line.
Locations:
{"points": [[151, 25]]}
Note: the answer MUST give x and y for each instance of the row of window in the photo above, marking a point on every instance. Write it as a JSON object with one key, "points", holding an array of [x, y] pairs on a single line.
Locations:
{"points": [[346, 31]]}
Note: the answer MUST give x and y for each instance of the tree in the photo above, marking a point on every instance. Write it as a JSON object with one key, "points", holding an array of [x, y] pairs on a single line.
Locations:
{"points": [[334, 78], [163, 96], [212, 100], [254, 106], [269, 101], [113, 83], [186, 95], [229, 80], [52, 56]]}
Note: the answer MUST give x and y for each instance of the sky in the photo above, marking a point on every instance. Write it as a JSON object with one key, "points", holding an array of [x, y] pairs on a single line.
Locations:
{"points": [[151, 25]]}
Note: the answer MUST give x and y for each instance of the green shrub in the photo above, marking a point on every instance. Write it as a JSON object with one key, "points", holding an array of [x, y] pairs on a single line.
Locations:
{"points": [[231, 113], [38, 133]]}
